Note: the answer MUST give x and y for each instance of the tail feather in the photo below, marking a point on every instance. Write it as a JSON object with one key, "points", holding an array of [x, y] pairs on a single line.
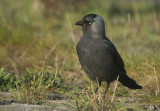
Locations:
{"points": [[128, 82]]}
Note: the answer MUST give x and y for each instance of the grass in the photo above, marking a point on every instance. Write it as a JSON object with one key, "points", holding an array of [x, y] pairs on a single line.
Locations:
{"points": [[38, 56], [30, 88]]}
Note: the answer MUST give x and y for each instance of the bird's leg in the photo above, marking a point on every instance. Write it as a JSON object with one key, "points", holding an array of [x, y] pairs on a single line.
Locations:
{"points": [[98, 85], [107, 86]]}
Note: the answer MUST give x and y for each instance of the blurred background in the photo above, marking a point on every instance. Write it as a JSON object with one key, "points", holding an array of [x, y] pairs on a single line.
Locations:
{"points": [[30, 28], [40, 34]]}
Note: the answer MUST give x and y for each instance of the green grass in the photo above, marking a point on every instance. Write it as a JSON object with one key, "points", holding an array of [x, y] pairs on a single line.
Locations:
{"points": [[31, 88], [38, 40]]}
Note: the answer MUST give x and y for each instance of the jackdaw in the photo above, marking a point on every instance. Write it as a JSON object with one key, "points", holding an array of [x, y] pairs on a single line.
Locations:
{"points": [[98, 56]]}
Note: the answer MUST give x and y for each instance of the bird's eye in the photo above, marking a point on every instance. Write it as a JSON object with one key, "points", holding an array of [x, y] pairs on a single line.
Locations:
{"points": [[89, 23]]}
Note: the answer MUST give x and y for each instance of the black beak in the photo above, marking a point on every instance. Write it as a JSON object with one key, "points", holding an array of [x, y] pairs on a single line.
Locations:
{"points": [[81, 22]]}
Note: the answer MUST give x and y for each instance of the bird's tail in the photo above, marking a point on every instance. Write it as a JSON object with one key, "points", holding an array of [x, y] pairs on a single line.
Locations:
{"points": [[128, 82]]}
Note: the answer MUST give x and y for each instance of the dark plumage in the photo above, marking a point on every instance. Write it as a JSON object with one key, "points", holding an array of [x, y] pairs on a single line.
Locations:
{"points": [[98, 56]]}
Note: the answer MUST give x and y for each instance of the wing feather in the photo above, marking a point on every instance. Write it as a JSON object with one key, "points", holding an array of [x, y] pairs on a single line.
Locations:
{"points": [[112, 49]]}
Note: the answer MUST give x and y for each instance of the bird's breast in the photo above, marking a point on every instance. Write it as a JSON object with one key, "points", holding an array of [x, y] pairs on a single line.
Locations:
{"points": [[89, 51]]}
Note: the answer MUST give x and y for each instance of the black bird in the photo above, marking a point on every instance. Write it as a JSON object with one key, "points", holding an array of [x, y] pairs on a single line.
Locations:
{"points": [[98, 56]]}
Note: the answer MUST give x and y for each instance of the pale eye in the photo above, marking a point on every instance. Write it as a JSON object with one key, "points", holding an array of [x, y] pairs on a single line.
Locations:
{"points": [[90, 23]]}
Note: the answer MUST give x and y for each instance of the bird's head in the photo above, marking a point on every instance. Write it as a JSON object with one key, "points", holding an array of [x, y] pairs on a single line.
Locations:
{"points": [[92, 24]]}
